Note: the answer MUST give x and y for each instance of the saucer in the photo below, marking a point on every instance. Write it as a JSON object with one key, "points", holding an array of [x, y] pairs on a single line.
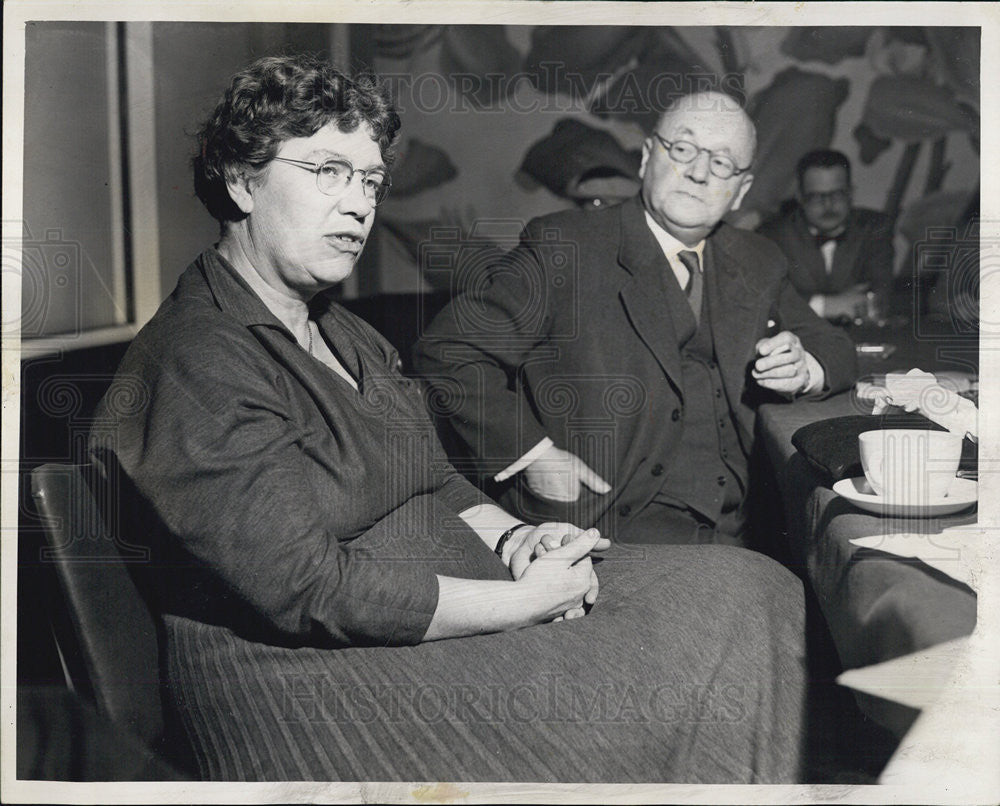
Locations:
{"points": [[963, 494]]}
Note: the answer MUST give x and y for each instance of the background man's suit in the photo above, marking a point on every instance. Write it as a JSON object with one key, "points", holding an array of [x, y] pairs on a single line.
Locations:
{"points": [[573, 340], [864, 252]]}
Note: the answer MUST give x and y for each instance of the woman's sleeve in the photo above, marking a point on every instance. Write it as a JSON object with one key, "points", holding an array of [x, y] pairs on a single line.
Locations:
{"points": [[221, 466], [461, 494], [456, 491]]}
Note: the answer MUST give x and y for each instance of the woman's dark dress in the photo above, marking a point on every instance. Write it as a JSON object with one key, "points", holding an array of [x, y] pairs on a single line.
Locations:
{"points": [[296, 528]]}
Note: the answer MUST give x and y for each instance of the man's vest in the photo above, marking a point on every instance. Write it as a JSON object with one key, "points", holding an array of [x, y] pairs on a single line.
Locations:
{"points": [[707, 470]]}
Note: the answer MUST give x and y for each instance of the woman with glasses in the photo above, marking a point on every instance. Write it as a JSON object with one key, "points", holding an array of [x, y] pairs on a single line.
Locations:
{"points": [[338, 603]]}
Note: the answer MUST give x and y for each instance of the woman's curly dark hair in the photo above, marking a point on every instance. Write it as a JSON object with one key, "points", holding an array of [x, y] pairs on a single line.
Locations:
{"points": [[275, 99]]}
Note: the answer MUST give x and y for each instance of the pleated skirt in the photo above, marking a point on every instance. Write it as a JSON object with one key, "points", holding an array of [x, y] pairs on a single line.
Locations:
{"points": [[689, 669]]}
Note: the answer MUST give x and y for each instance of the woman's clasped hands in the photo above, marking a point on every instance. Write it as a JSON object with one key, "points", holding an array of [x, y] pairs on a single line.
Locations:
{"points": [[551, 562]]}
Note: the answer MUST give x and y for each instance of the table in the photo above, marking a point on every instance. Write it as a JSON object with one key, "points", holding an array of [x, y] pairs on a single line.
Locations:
{"points": [[877, 606], [930, 346]]}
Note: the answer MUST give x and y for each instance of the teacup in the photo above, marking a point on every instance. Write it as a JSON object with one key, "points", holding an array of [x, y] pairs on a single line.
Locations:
{"points": [[909, 465]]}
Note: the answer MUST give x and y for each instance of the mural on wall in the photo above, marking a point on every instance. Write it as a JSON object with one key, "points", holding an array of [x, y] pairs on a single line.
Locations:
{"points": [[515, 121], [500, 124]]}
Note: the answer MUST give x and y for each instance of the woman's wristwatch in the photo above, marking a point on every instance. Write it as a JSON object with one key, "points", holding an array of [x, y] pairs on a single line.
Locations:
{"points": [[507, 536]]}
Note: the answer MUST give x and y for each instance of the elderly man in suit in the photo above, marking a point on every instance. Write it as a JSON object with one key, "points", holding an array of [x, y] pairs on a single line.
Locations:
{"points": [[606, 373], [837, 253]]}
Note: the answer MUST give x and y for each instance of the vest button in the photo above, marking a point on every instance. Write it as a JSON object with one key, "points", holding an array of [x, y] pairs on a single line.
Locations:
{"points": [[675, 415], [721, 481], [722, 423], [657, 470], [711, 365], [718, 393], [624, 510]]}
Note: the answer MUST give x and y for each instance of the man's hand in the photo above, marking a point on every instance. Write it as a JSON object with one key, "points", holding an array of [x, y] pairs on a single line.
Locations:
{"points": [[851, 303], [527, 545], [781, 365], [556, 475]]}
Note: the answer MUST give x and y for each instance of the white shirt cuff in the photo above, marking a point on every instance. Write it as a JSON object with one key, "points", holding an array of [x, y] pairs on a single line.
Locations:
{"points": [[525, 460], [818, 303]]}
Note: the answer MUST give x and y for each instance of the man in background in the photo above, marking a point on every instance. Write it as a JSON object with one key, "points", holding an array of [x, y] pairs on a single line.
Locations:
{"points": [[837, 253]]}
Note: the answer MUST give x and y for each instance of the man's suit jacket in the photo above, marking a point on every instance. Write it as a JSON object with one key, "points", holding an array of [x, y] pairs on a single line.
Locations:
{"points": [[863, 255], [572, 339]]}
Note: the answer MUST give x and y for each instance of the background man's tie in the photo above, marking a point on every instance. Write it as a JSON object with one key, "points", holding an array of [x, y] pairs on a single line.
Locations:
{"points": [[694, 283]]}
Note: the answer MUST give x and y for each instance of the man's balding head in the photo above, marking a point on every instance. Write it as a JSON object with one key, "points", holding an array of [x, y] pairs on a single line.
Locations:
{"points": [[717, 103], [689, 198]]}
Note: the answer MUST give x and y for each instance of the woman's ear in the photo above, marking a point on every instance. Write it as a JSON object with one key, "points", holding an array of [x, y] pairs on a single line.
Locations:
{"points": [[241, 191]]}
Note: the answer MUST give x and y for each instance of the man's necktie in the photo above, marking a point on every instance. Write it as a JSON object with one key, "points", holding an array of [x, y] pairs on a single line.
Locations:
{"points": [[827, 244], [694, 283]]}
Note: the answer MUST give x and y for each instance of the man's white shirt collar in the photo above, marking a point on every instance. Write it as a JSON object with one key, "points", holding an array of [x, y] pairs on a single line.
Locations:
{"points": [[672, 247]]}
